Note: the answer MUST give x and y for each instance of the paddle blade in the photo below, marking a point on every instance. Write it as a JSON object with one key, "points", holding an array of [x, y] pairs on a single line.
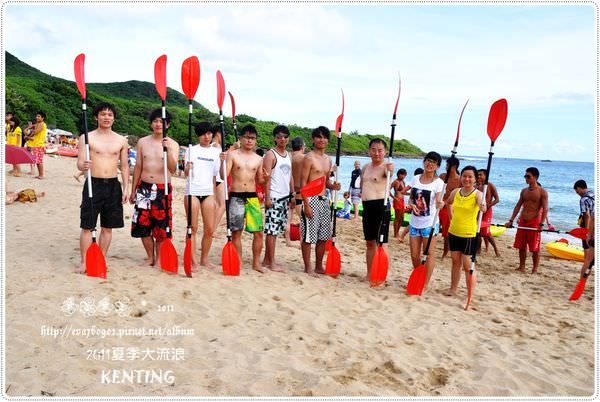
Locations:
{"points": [[168, 257], [497, 118], [328, 245], [220, 89], [459, 120], [416, 281], [340, 118], [580, 233], [313, 188], [398, 98], [160, 76], [95, 264], [187, 258], [232, 106], [334, 262], [578, 290], [230, 260], [79, 74], [379, 267], [190, 76]]}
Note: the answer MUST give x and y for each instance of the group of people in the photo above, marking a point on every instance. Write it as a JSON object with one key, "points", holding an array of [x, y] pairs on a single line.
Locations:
{"points": [[33, 137], [283, 174]]}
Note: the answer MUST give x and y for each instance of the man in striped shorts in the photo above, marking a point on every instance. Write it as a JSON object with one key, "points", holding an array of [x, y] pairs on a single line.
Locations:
{"points": [[315, 225]]}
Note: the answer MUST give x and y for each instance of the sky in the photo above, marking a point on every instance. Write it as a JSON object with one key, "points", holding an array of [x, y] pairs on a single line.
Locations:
{"points": [[288, 63]]}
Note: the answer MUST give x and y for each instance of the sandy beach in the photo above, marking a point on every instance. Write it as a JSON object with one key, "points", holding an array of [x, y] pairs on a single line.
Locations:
{"points": [[276, 334]]}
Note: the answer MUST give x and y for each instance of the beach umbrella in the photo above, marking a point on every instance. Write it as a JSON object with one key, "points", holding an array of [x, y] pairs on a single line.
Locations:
{"points": [[190, 79], [95, 263], [496, 122], [168, 255], [380, 263], [333, 264], [17, 155], [416, 281], [230, 260]]}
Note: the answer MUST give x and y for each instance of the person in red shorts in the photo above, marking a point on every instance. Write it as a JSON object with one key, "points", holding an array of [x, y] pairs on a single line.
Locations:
{"points": [[452, 164], [491, 199], [151, 216], [398, 199], [533, 204]]}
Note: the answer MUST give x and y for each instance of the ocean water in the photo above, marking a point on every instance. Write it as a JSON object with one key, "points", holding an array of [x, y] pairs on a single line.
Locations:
{"points": [[557, 177]]}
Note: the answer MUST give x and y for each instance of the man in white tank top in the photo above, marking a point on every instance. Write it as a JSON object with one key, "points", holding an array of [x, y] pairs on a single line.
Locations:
{"points": [[278, 187]]}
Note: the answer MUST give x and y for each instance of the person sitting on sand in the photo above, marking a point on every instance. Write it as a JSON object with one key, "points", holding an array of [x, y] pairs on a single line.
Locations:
{"points": [[429, 186], [586, 220], [398, 199], [107, 149], [345, 212], [373, 189], [279, 184], [246, 170], [151, 216], [533, 204], [464, 205], [23, 196], [491, 199], [315, 224], [203, 164], [452, 163]]}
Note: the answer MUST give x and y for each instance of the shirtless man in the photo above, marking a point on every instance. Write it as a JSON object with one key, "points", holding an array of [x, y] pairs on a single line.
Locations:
{"points": [[107, 148], [452, 163], [398, 199], [278, 186], [373, 187], [534, 203], [491, 199], [151, 216], [315, 225], [246, 170], [298, 150]]}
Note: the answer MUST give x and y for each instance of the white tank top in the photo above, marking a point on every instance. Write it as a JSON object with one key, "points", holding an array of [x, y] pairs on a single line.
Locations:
{"points": [[280, 175]]}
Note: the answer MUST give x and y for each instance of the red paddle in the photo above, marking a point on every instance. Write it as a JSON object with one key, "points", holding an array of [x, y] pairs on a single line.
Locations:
{"points": [[168, 255], [95, 264], [310, 189], [380, 263], [230, 260], [496, 122], [333, 264], [581, 285], [579, 233], [190, 79], [416, 281]]}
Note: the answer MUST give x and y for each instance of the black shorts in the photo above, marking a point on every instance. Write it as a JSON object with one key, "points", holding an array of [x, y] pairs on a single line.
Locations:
{"points": [[466, 245], [585, 244], [373, 213], [107, 202]]}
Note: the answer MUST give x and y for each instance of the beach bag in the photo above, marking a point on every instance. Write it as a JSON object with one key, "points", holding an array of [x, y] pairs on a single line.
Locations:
{"points": [[27, 195]]}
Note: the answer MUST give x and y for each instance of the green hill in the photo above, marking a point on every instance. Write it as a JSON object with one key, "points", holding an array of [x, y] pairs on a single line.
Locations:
{"points": [[29, 90]]}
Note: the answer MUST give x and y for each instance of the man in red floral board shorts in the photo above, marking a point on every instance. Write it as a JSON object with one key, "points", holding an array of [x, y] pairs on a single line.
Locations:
{"points": [[534, 203], [150, 218]]}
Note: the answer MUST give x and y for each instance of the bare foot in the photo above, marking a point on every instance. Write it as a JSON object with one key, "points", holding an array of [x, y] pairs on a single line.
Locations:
{"points": [[39, 177], [320, 271], [289, 244], [401, 239], [276, 268], [534, 271], [148, 262], [207, 265], [312, 273], [76, 178], [497, 254], [80, 269], [520, 269], [450, 292], [16, 174], [259, 269]]}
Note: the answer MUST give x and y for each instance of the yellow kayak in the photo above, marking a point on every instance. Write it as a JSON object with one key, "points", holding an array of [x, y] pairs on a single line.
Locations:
{"points": [[497, 230], [565, 251]]}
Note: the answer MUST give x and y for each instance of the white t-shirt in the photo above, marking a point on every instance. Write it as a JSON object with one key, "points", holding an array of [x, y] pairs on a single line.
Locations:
{"points": [[423, 195], [206, 166]]}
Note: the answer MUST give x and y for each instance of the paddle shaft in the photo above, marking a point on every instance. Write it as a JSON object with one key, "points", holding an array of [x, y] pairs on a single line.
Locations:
{"points": [[88, 172], [225, 190], [386, 207], [534, 229], [480, 214], [337, 166], [164, 135], [189, 151]]}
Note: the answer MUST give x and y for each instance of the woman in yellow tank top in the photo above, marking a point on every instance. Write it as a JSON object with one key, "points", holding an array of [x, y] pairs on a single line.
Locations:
{"points": [[464, 205], [14, 137]]}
